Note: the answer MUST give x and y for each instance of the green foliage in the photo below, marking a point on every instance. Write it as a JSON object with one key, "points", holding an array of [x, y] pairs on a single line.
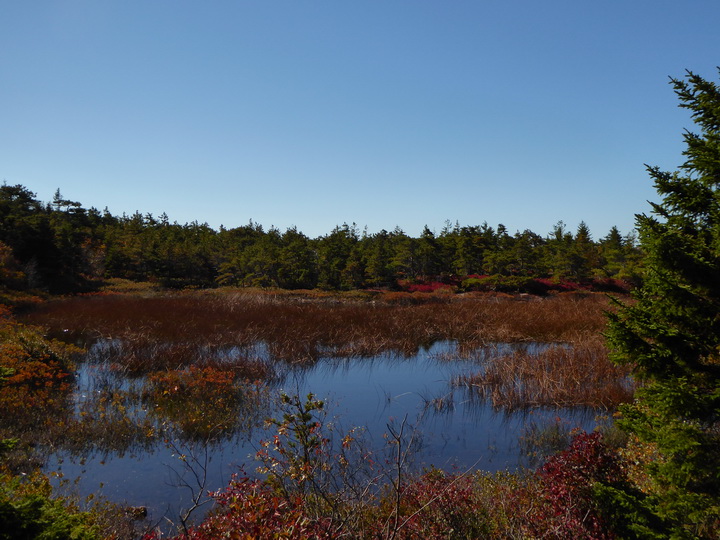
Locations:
{"points": [[296, 450], [52, 249], [27, 512], [6, 444], [670, 335], [335, 253], [62, 247], [311, 463]]}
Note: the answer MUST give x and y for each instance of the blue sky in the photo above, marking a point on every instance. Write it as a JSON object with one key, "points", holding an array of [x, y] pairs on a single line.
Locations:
{"points": [[380, 112]]}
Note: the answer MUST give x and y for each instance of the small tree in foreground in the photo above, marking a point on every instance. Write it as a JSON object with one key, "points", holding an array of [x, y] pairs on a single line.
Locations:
{"points": [[671, 337]]}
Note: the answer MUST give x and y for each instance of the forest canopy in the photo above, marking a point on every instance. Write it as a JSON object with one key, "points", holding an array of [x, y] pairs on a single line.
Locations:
{"points": [[63, 247]]}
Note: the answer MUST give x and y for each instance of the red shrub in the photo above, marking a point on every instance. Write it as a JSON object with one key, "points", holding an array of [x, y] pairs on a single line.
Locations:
{"points": [[437, 503], [568, 509], [249, 509], [428, 287]]}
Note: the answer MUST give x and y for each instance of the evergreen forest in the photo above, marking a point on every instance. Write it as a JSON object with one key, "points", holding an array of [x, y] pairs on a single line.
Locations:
{"points": [[62, 247]]}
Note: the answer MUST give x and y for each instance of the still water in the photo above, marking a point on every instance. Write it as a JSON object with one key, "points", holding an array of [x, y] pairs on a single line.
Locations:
{"points": [[452, 429]]}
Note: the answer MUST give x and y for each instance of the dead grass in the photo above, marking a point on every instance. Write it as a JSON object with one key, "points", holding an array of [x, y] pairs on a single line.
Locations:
{"points": [[150, 333], [560, 376], [304, 327]]}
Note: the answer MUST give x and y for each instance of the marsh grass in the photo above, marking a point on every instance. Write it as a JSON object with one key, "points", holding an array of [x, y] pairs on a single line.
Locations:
{"points": [[192, 362], [560, 376], [249, 332], [177, 329], [183, 367], [51, 401], [36, 382], [139, 353]]}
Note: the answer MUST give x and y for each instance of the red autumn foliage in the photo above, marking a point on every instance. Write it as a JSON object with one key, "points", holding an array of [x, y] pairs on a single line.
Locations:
{"points": [[428, 287], [567, 506], [249, 509]]}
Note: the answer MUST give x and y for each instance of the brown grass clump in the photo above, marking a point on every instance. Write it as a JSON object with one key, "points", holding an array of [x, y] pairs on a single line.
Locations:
{"points": [[560, 376]]}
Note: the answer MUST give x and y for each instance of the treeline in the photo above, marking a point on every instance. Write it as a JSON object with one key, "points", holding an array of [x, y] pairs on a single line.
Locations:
{"points": [[62, 247]]}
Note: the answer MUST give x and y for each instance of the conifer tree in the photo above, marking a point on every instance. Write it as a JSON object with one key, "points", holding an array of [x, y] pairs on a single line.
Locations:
{"points": [[671, 337]]}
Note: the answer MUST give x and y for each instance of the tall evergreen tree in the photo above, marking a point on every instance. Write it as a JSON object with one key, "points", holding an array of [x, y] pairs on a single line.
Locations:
{"points": [[427, 254], [298, 262], [671, 337], [583, 255], [334, 251], [527, 253], [559, 252], [378, 272]]}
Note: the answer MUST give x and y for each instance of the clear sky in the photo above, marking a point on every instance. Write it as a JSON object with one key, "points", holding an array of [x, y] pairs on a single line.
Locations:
{"points": [[380, 112]]}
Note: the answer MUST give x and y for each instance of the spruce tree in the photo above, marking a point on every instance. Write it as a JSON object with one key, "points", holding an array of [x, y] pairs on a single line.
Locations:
{"points": [[670, 335]]}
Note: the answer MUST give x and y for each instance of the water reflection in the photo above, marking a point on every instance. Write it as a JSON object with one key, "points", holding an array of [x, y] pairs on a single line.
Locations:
{"points": [[135, 433]]}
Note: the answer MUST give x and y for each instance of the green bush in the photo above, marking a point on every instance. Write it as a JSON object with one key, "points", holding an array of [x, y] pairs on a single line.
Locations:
{"points": [[28, 512]]}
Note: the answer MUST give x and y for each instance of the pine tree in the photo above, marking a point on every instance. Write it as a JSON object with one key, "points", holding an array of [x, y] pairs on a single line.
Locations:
{"points": [[671, 337]]}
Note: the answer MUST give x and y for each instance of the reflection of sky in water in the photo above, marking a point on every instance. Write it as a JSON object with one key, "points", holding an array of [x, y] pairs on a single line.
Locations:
{"points": [[456, 431]]}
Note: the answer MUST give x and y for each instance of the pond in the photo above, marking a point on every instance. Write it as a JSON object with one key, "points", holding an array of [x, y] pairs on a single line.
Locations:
{"points": [[449, 426], [169, 399]]}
